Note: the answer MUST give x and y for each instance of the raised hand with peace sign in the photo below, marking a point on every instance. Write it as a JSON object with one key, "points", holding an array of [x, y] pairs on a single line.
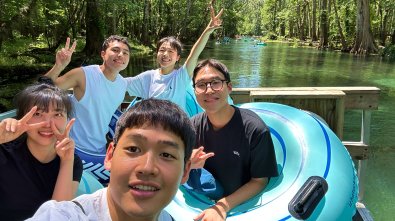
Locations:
{"points": [[10, 128], [64, 144], [63, 56], [215, 21]]}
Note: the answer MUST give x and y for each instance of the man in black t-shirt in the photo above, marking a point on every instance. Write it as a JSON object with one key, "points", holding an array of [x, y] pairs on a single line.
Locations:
{"points": [[240, 152]]}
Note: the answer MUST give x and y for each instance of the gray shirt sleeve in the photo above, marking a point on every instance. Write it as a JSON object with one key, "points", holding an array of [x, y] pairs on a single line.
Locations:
{"points": [[60, 211]]}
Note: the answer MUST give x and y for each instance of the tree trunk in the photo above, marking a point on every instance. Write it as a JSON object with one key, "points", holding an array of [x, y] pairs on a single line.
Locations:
{"points": [[282, 20], [314, 22], [306, 31], [342, 39], [383, 24], [300, 21], [145, 24], [291, 29], [364, 43], [324, 27], [25, 23], [186, 21], [94, 31], [275, 19], [393, 38]]}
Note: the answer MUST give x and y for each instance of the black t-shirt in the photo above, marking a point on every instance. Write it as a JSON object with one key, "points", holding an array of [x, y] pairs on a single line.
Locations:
{"points": [[25, 182], [243, 149]]}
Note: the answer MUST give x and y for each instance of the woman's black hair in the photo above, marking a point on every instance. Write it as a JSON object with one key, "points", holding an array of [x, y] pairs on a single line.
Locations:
{"points": [[42, 94], [173, 41]]}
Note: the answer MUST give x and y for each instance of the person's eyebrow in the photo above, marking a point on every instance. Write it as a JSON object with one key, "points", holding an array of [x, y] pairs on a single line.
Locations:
{"points": [[138, 136], [169, 143], [119, 48], [209, 79]]}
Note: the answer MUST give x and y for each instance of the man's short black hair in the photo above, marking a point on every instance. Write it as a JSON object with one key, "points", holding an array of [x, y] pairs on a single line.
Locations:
{"points": [[159, 113]]}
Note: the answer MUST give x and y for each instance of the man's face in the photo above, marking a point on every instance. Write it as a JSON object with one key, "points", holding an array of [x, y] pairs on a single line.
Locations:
{"points": [[116, 56], [212, 100], [147, 167]]}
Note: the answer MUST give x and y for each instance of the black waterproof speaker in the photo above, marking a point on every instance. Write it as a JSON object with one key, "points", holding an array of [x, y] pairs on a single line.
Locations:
{"points": [[307, 198]]}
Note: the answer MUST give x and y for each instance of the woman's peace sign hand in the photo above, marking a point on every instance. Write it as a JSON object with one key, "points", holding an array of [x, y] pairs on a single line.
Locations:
{"points": [[215, 21], [11, 128], [64, 145]]}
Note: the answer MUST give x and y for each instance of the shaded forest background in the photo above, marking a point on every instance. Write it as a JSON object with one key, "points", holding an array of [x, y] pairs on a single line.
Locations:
{"points": [[356, 26]]}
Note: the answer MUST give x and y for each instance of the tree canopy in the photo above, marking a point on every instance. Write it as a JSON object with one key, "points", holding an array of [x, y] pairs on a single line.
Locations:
{"points": [[359, 26]]}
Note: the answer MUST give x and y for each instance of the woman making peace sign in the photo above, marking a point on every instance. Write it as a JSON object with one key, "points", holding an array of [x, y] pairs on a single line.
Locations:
{"points": [[37, 160]]}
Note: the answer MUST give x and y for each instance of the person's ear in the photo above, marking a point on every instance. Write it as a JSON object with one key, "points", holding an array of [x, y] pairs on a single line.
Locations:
{"points": [[187, 169], [102, 53], [230, 86], [109, 155]]}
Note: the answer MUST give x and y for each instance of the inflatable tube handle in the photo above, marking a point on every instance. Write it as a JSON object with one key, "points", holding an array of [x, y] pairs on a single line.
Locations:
{"points": [[307, 198]]}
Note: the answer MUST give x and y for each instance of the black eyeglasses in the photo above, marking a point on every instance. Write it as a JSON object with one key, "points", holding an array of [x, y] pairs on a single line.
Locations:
{"points": [[215, 85]]}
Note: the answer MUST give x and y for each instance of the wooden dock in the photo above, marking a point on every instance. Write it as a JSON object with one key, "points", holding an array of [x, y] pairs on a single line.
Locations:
{"points": [[330, 103]]}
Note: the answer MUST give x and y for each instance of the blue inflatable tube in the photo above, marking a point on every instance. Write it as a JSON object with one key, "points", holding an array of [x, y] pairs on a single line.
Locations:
{"points": [[305, 147], [88, 184], [94, 165]]}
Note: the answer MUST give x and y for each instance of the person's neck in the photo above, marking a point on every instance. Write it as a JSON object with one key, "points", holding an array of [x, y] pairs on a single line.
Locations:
{"points": [[108, 73], [166, 70], [220, 118], [42, 154], [117, 214]]}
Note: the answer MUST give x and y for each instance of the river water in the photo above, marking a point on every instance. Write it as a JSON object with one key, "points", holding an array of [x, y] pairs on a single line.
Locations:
{"points": [[281, 65]]}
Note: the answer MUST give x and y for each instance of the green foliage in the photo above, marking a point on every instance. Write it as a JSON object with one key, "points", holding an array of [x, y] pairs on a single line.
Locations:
{"points": [[144, 22], [271, 36], [17, 52], [388, 52]]}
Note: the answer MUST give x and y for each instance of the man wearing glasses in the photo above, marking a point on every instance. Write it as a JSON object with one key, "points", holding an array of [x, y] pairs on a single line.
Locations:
{"points": [[240, 153]]}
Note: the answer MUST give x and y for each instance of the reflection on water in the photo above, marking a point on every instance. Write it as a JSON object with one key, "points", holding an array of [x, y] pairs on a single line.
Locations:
{"points": [[284, 66]]}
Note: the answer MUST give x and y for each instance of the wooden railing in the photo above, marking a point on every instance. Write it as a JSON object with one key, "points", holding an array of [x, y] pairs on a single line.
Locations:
{"points": [[330, 103]]}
